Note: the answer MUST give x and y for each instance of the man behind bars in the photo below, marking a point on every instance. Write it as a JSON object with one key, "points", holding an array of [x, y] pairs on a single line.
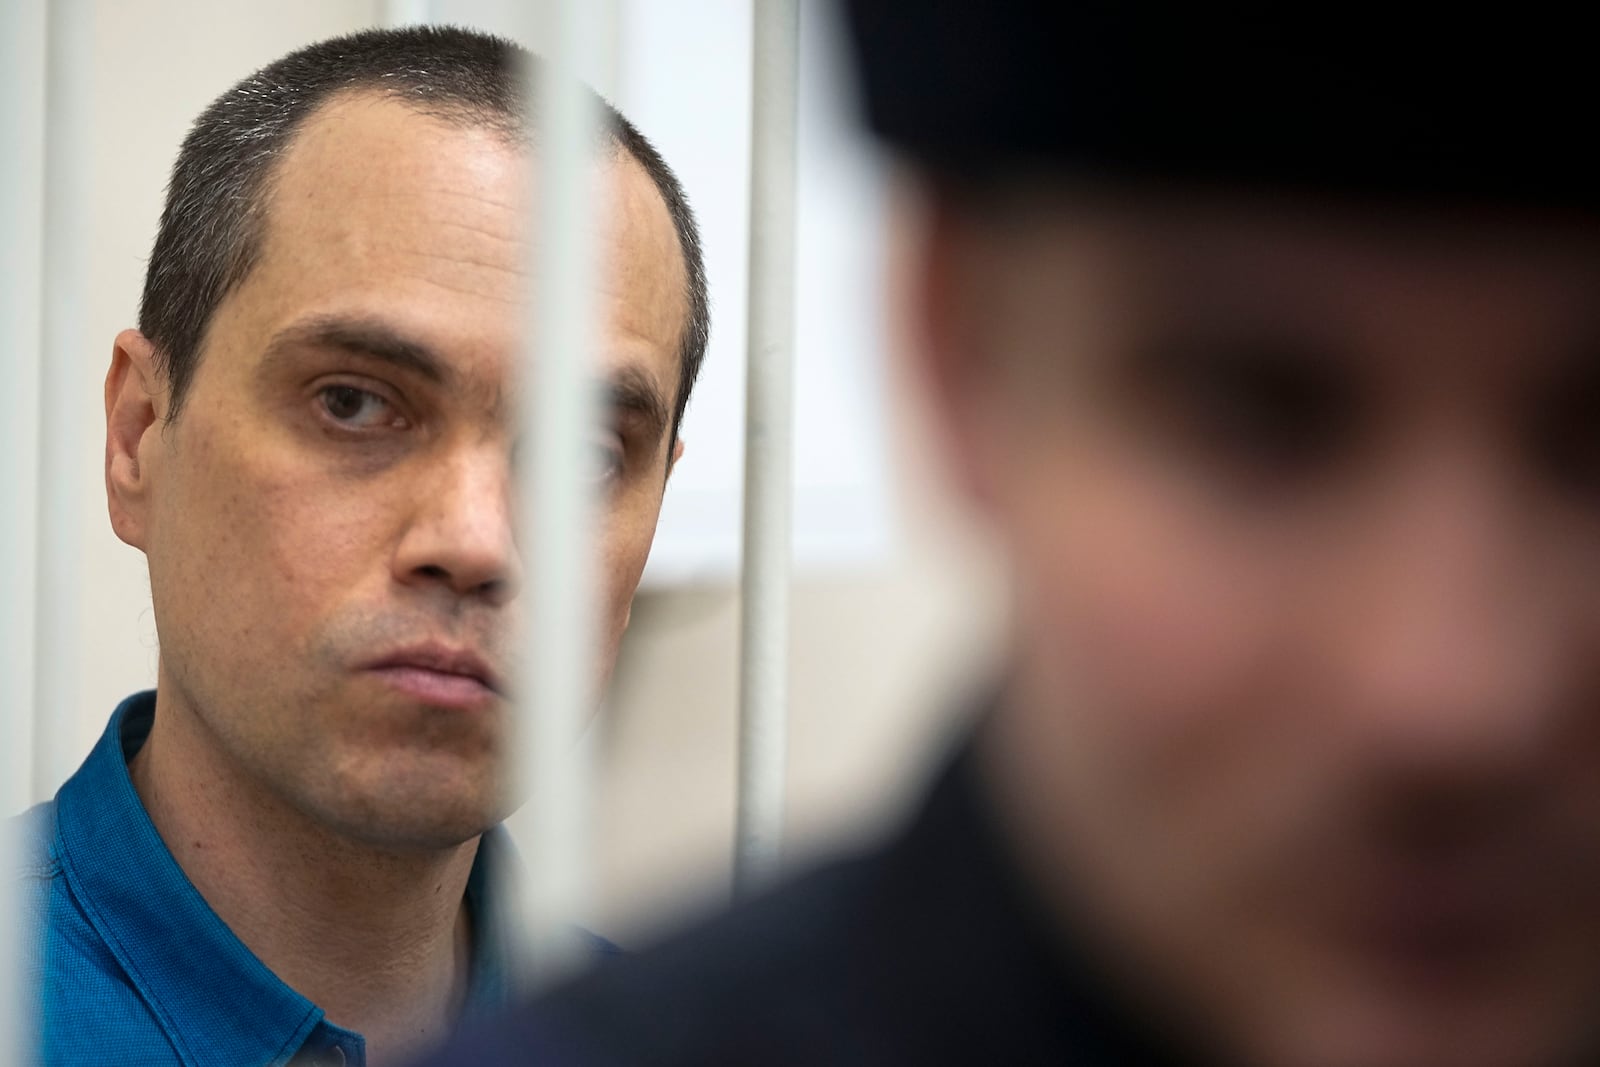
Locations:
{"points": [[280, 855], [1269, 349]]}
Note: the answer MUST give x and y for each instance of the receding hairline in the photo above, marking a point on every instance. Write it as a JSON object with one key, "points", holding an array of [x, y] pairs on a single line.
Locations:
{"points": [[512, 132], [513, 135]]}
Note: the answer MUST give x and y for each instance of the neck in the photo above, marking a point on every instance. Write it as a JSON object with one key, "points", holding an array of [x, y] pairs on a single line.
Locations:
{"points": [[379, 939]]}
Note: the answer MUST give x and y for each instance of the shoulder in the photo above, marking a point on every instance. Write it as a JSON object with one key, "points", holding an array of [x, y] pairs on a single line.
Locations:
{"points": [[33, 836], [89, 1012], [36, 874]]}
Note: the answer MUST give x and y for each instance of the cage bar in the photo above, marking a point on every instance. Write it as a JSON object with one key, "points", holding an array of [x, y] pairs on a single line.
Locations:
{"points": [[768, 465], [556, 520], [65, 390], [22, 77]]}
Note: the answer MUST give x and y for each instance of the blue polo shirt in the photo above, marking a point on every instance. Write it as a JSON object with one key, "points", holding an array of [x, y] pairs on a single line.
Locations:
{"points": [[134, 968]]}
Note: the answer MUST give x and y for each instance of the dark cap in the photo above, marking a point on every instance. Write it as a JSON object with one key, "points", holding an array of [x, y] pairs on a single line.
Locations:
{"points": [[1482, 102]]}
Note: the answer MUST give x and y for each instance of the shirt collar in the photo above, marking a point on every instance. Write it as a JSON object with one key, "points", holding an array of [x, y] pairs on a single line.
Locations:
{"points": [[180, 955], [494, 945]]}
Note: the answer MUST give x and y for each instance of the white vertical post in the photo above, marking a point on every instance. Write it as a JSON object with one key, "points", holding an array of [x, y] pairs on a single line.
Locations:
{"points": [[64, 389], [768, 463], [556, 517], [21, 192], [22, 39]]}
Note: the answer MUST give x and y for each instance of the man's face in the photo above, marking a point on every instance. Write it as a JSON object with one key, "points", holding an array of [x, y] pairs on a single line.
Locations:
{"points": [[329, 520], [1304, 517]]}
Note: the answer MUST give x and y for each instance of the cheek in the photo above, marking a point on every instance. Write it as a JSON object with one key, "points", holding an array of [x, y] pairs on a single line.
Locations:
{"points": [[1159, 638], [630, 526], [1170, 679], [257, 541], [1149, 607]]}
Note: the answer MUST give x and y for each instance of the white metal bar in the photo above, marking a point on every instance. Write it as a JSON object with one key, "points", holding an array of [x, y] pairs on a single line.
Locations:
{"points": [[768, 463], [561, 406], [21, 192], [21, 176], [64, 390]]}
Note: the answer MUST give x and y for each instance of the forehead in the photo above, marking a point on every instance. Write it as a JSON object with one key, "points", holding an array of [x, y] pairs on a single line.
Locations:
{"points": [[379, 210]]}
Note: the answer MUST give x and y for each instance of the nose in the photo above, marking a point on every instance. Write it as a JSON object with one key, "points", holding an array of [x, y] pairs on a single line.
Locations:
{"points": [[460, 538], [1460, 642]]}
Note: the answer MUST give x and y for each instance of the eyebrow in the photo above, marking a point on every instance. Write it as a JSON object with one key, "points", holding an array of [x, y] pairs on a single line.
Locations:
{"points": [[363, 337], [628, 391]]}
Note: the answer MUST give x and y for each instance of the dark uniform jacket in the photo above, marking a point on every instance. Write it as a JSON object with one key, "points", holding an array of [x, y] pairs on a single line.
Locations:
{"points": [[926, 951]]}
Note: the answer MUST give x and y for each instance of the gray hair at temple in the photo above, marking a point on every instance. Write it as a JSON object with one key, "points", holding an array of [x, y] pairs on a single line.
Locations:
{"points": [[212, 226]]}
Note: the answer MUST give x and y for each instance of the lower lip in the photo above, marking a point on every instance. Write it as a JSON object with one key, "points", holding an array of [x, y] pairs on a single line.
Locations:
{"points": [[438, 688]]}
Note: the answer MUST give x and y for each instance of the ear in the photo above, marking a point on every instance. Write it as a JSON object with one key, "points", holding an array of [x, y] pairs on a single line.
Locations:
{"points": [[677, 454], [939, 323], [133, 393]]}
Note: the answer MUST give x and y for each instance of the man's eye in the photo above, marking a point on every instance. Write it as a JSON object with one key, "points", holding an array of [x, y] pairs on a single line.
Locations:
{"points": [[355, 408], [605, 463], [1271, 416], [1566, 436]]}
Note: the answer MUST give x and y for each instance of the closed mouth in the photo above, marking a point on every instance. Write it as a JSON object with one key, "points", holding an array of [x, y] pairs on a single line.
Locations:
{"points": [[449, 667]]}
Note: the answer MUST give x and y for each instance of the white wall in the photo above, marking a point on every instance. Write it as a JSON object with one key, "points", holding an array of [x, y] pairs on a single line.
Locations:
{"points": [[888, 587]]}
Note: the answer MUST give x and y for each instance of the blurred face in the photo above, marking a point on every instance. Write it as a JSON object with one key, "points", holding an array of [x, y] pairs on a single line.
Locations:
{"points": [[1304, 516], [329, 519]]}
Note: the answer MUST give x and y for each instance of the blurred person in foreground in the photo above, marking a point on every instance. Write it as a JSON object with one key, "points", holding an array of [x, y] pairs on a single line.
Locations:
{"points": [[1270, 354], [282, 854]]}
